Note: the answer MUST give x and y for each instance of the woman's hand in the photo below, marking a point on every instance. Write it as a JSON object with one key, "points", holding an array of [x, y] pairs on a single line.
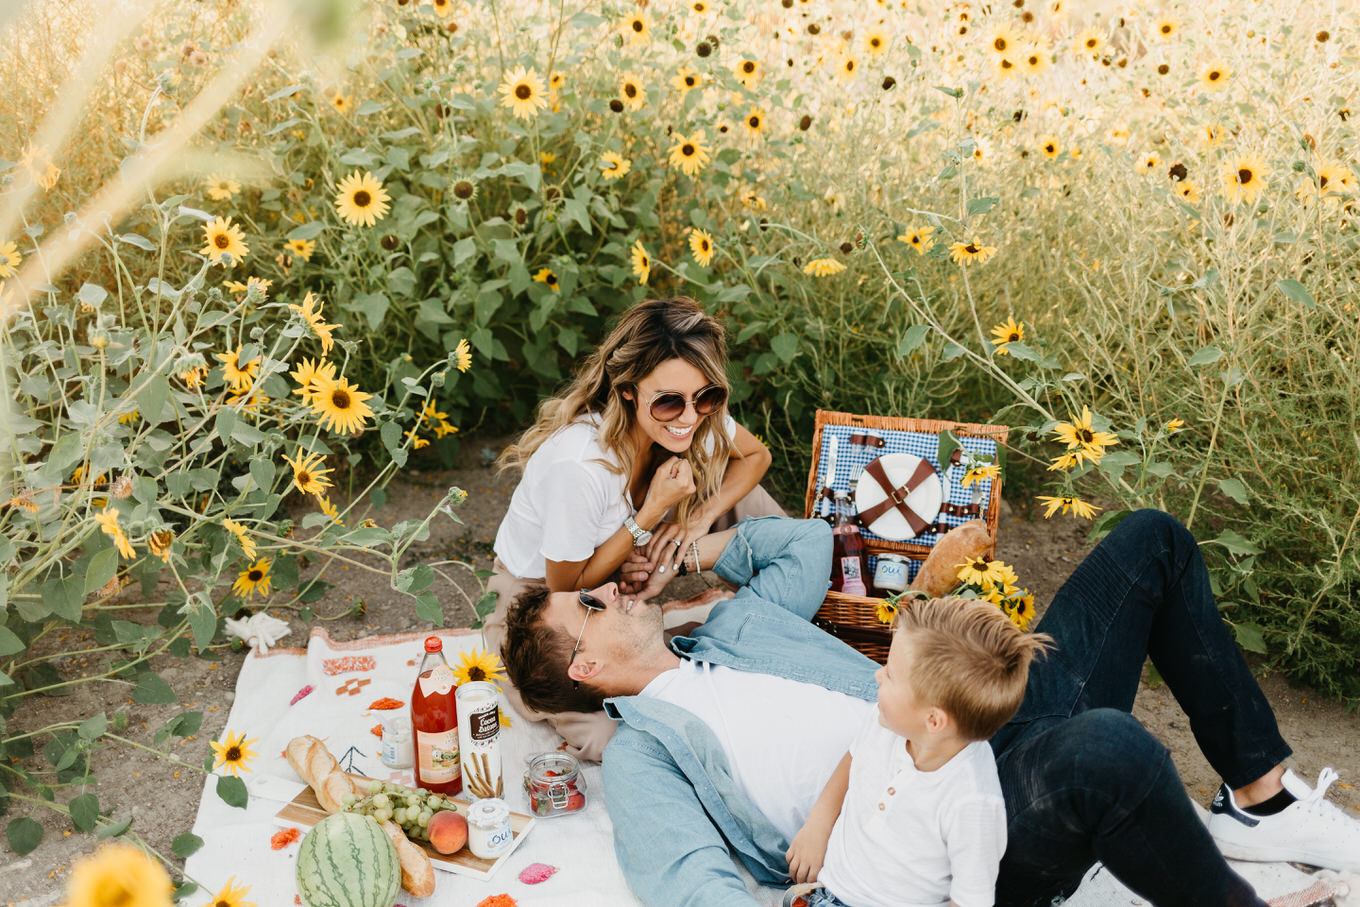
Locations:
{"points": [[671, 483], [670, 544]]}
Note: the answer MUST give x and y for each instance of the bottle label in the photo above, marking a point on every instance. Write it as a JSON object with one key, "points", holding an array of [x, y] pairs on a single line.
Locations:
{"points": [[438, 682], [438, 755], [852, 583]]}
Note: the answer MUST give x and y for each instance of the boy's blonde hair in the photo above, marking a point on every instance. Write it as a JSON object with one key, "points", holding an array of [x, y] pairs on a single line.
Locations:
{"points": [[969, 659]]}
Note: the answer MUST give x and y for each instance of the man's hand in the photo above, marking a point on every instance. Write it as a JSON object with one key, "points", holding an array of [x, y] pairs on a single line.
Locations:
{"points": [[634, 572], [808, 850]]}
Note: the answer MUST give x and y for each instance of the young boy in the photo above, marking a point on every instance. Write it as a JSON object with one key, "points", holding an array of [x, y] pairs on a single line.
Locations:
{"points": [[913, 815]]}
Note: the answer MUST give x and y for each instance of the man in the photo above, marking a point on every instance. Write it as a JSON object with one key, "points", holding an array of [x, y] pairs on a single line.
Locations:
{"points": [[722, 734]]}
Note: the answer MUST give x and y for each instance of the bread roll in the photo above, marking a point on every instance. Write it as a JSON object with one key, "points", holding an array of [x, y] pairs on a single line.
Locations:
{"points": [[939, 575], [314, 764], [417, 874]]}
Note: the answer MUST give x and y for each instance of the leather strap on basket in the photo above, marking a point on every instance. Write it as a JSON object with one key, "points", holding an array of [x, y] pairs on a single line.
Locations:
{"points": [[867, 440], [897, 497]]}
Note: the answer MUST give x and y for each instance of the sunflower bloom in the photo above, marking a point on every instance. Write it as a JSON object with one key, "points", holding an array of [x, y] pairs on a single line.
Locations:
{"points": [[546, 276], [309, 376], [1003, 43], [886, 612], [222, 237], [479, 664], [754, 123], [10, 259], [361, 200], [309, 472], [232, 895], [749, 73], [159, 543], [240, 378], [234, 751], [1166, 28], [978, 473], [301, 248], [970, 252], [631, 92], [1007, 332], [1078, 435], [1174, 426], [642, 262], [108, 524], [254, 578], [823, 267], [614, 165], [118, 873], [1215, 75], [1244, 179], [1068, 503], [341, 406], [686, 79], [636, 29], [221, 189], [876, 42], [247, 543], [523, 94], [1188, 191], [1069, 460], [689, 155], [1034, 60], [463, 352], [980, 572], [310, 310], [1021, 609], [919, 238], [701, 245]]}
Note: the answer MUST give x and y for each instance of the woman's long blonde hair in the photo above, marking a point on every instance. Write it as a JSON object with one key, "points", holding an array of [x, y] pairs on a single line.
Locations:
{"points": [[650, 333]]}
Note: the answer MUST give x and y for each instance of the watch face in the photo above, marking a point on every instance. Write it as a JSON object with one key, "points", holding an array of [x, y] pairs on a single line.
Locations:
{"points": [[643, 538]]}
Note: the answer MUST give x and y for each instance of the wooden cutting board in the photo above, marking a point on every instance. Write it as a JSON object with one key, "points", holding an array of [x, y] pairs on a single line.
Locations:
{"points": [[305, 810]]}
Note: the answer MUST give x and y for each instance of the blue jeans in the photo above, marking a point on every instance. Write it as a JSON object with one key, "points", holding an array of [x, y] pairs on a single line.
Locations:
{"points": [[1083, 780]]}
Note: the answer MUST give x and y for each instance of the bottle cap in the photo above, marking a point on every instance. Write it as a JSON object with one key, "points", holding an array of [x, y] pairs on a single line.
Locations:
{"points": [[434, 644]]}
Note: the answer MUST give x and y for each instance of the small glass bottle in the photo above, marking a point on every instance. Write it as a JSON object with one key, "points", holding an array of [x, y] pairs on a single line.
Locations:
{"points": [[849, 562], [434, 715]]}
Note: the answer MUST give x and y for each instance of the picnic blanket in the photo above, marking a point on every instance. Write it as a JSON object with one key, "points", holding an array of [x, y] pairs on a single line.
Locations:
{"points": [[345, 680]]}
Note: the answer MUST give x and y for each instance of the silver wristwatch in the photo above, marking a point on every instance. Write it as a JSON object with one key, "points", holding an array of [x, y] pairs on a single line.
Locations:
{"points": [[640, 536]]}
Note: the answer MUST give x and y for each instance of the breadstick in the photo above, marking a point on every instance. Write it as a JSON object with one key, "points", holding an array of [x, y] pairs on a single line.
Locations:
{"points": [[417, 875], [939, 575], [314, 764]]}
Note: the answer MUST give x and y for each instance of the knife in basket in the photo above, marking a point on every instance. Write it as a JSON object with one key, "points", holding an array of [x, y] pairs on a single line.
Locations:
{"points": [[824, 509]]}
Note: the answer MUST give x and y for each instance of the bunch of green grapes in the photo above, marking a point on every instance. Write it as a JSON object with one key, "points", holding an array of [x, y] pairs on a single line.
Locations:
{"points": [[408, 807]]}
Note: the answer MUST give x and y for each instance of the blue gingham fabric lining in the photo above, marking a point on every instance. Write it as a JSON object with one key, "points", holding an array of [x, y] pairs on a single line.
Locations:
{"points": [[852, 458]]}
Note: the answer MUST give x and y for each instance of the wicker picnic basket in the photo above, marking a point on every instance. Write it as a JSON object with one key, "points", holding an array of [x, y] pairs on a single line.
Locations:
{"points": [[861, 439]]}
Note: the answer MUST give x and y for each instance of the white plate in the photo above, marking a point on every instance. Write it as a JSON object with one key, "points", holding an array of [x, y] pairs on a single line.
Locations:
{"points": [[925, 499]]}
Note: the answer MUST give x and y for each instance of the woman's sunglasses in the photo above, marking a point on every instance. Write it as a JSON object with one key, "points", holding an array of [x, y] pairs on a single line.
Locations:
{"points": [[667, 406]]}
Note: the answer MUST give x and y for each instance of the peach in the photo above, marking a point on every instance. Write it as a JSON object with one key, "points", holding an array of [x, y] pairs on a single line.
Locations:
{"points": [[448, 831]]}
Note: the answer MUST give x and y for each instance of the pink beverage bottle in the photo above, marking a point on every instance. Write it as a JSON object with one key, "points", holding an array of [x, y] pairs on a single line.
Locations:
{"points": [[434, 716], [849, 562]]}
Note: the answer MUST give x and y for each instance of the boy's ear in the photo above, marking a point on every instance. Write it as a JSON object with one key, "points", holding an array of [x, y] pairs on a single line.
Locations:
{"points": [[938, 720]]}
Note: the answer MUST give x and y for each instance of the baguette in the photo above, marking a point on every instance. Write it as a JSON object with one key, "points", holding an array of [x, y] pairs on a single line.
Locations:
{"points": [[417, 874], [314, 764], [939, 575]]}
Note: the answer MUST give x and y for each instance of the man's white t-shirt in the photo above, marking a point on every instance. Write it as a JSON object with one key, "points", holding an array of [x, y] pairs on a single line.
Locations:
{"points": [[783, 738], [568, 503], [907, 838]]}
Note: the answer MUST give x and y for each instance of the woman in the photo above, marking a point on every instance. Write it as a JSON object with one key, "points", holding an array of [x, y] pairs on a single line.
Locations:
{"points": [[635, 460]]}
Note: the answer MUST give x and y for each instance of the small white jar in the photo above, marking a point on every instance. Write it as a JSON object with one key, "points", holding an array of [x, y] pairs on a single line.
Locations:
{"points": [[489, 833], [398, 745]]}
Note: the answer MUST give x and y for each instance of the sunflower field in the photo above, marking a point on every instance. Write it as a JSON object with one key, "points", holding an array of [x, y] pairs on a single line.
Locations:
{"points": [[253, 249]]}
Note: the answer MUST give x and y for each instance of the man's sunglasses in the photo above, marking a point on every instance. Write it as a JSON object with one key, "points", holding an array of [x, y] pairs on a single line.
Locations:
{"points": [[591, 604], [667, 406]]}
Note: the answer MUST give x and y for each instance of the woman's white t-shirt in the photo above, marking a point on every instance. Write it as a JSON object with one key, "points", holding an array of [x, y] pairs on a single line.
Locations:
{"points": [[568, 503]]}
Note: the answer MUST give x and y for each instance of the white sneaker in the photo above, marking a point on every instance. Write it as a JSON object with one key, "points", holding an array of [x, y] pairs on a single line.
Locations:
{"points": [[1310, 830]]}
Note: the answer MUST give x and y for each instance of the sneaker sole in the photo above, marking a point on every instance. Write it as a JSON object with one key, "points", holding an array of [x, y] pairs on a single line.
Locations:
{"points": [[1280, 855]]}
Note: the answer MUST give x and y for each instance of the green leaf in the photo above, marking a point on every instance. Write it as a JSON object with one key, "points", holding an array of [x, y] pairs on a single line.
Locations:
{"points": [[24, 835], [152, 400], [1250, 637], [226, 424], [952, 92], [152, 690], [114, 830], [66, 596], [372, 306], [1299, 293], [185, 724], [202, 623], [186, 845], [981, 205], [1205, 356], [951, 352], [68, 451], [262, 472], [232, 790], [1234, 488], [85, 812], [93, 727], [912, 339], [428, 608], [464, 249], [9, 643], [946, 447], [141, 242], [309, 230], [415, 579], [92, 294], [785, 346], [101, 568], [1235, 543], [391, 438]]}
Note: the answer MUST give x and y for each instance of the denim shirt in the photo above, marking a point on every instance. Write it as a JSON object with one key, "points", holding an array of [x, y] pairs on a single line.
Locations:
{"points": [[678, 814]]}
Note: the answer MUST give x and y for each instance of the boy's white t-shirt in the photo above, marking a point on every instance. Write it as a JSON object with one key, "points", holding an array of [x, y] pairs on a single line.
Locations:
{"points": [[782, 738], [568, 503], [907, 838]]}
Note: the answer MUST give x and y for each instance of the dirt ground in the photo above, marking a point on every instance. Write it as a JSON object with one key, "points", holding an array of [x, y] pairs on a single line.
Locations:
{"points": [[161, 797]]}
